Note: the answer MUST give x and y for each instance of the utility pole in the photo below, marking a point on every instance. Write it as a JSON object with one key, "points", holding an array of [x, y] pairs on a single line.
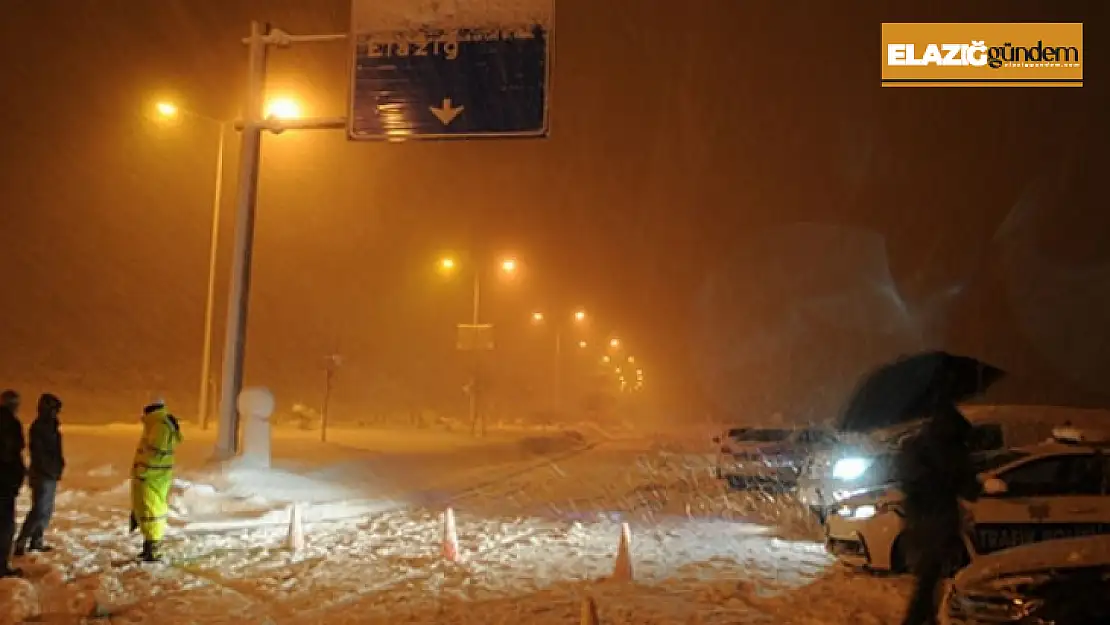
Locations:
{"points": [[261, 37], [210, 300], [227, 439], [474, 354], [558, 369]]}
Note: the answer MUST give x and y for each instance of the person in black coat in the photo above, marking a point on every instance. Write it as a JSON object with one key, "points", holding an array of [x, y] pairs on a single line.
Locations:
{"points": [[12, 473], [935, 472], [47, 464]]}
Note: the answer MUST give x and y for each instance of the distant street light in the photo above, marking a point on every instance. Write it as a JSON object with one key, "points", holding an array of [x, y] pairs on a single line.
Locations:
{"points": [[169, 111], [605, 359], [615, 343], [448, 265], [166, 110], [577, 317], [631, 359]]}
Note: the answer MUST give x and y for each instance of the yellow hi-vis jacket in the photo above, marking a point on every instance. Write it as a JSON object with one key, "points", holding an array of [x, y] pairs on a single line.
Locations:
{"points": [[161, 436]]}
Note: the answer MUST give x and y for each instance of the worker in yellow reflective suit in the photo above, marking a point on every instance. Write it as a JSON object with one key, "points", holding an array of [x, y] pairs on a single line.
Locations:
{"points": [[152, 477]]}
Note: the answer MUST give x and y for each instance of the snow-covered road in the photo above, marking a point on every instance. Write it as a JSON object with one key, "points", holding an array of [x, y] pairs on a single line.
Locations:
{"points": [[538, 524]]}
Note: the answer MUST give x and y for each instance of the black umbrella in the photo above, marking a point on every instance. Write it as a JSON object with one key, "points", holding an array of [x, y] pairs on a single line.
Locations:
{"points": [[913, 387]]}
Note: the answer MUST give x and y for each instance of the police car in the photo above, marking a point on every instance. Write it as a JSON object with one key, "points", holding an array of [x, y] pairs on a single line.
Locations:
{"points": [[1056, 489]]}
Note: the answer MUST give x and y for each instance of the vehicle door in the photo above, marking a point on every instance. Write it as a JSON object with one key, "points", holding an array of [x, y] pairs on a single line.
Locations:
{"points": [[1045, 498], [1084, 508]]}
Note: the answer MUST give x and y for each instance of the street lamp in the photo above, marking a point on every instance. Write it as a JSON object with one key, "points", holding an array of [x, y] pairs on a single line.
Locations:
{"points": [[447, 265], [615, 343], [282, 109], [169, 111], [166, 110], [578, 317]]}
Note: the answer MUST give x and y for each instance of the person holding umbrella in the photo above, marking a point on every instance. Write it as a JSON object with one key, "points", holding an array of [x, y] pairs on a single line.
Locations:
{"points": [[935, 473], [934, 467]]}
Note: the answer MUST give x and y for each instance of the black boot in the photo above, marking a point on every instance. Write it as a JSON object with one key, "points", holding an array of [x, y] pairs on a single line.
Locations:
{"points": [[20, 549], [151, 551], [40, 547]]}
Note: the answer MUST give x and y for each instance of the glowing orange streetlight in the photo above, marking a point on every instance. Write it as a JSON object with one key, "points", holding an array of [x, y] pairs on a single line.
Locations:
{"points": [[508, 265], [282, 108], [615, 343], [167, 110], [579, 316], [582, 344], [537, 317]]}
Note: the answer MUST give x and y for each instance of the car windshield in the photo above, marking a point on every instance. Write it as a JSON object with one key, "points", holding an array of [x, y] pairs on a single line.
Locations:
{"points": [[757, 435], [992, 460]]}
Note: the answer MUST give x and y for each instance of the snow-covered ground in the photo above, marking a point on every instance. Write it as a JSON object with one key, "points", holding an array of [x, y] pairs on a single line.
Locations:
{"points": [[538, 519]]}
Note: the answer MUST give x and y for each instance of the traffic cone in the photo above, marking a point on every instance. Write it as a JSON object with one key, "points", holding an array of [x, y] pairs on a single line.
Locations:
{"points": [[589, 612], [450, 537], [622, 571], [295, 538]]}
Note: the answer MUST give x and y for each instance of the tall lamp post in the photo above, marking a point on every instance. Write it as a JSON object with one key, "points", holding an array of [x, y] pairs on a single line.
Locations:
{"points": [[449, 265], [169, 111], [577, 317]]}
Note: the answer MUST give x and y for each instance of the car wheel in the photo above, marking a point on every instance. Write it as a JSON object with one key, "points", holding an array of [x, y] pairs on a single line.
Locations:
{"points": [[959, 561], [899, 562]]}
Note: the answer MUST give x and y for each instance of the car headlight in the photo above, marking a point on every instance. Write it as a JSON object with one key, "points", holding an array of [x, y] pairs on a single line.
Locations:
{"points": [[850, 468], [857, 512], [864, 512]]}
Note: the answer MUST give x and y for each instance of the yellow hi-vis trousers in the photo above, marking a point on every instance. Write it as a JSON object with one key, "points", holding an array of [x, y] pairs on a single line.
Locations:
{"points": [[150, 503]]}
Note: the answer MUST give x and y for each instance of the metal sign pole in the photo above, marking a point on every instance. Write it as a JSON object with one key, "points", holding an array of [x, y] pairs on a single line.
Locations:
{"points": [[227, 443], [227, 436]]}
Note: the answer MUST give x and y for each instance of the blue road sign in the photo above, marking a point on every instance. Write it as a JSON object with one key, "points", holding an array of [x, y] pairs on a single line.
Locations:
{"points": [[451, 83]]}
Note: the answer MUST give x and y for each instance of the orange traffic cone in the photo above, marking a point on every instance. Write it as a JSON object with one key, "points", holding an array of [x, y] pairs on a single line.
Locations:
{"points": [[295, 539], [450, 537], [622, 571], [589, 612]]}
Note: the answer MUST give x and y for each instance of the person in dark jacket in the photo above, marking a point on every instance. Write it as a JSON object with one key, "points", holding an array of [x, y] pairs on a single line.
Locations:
{"points": [[12, 473], [935, 472], [47, 464]]}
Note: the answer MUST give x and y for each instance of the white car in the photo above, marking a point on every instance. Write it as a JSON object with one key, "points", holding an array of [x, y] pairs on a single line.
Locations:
{"points": [[1059, 581], [864, 464], [768, 457], [1030, 494]]}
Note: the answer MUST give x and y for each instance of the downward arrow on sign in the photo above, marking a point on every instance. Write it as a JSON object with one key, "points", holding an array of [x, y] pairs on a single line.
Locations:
{"points": [[446, 113]]}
